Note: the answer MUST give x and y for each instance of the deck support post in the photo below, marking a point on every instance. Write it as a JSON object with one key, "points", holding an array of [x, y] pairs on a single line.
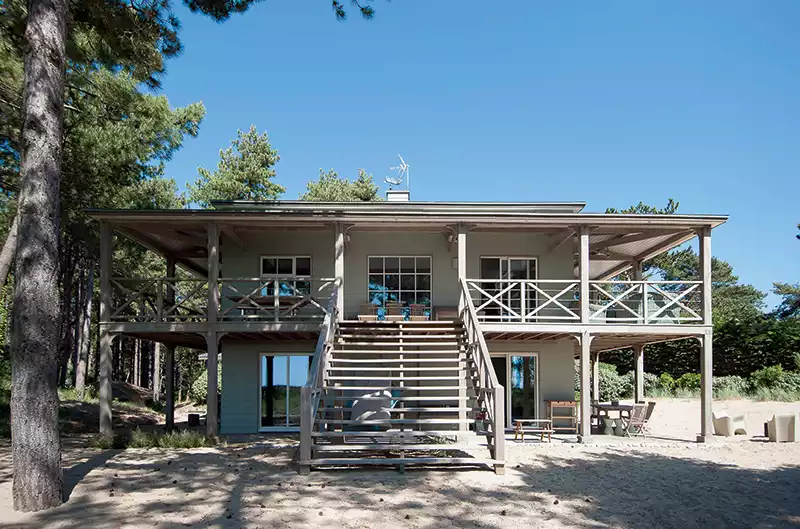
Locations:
{"points": [[212, 404], [105, 363], [306, 427], [585, 429], [169, 363], [338, 268], [211, 335], [704, 235], [499, 429], [583, 271], [706, 388], [638, 379], [596, 377]]}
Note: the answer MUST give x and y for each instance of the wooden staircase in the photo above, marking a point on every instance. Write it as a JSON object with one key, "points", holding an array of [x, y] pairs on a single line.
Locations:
{"points": [[397, 394]]}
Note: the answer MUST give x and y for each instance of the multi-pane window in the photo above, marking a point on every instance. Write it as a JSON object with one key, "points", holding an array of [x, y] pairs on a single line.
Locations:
{"points": [[293, 274], [399, 279]]}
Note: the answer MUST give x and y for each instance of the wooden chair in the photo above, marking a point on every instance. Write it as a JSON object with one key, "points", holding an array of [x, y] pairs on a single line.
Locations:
{"points": [[640, 416], [394, 311], [367, 312], [417, 312]]}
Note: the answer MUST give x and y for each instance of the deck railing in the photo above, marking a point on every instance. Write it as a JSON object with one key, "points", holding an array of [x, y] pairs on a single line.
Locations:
{"points": [[243, 299], [611, 302], [490, 393]]}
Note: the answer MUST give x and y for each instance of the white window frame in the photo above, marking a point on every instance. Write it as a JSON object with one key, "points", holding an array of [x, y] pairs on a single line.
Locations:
{"points": [[399, 273], [261, 357], [294, 259]]}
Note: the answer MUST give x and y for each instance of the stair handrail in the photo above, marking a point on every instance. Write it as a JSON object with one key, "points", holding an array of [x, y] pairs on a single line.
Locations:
{"points": [[311, 391], [490, 390]]}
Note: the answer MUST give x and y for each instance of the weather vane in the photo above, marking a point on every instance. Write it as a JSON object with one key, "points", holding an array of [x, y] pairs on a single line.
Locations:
{"points": [[402, 174]]}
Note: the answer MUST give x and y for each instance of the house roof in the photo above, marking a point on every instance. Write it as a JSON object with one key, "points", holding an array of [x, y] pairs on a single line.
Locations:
{"points": [[616, 240]]}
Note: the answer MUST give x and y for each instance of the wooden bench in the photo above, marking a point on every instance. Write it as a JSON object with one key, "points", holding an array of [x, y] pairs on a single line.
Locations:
{"points": [[541, 426]]}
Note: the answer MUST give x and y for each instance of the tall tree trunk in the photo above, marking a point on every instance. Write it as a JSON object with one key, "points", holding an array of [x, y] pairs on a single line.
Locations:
{"points": [[9, 250], [85, 322], [65, 327], [137, 362], [36, 447]]}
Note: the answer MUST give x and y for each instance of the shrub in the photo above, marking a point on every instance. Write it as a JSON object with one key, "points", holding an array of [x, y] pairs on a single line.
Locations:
{"points": [[175, 439], [612, 385], [666, 382], [730, 387], [688, 381], [767, 377], [199, 388]]}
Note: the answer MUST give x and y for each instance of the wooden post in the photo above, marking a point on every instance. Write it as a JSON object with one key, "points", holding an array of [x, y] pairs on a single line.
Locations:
{"points": [[704, 234], [169, 376], [638, 379], [461, 245], [499, 429], [211, 336], [305, 429], [106, 366], [338, 267], [583, 268], [211, 397], [706, 389], [596, 377], [637, 276], [169, 364], [586, 399]]}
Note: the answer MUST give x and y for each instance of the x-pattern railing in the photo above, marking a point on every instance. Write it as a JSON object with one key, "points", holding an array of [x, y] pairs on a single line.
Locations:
{"points": [[275, 298], [646, 302], [525, 300]]}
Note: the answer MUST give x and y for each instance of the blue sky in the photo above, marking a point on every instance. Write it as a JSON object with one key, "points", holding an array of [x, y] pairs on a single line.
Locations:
{"points": [[604, 102]]}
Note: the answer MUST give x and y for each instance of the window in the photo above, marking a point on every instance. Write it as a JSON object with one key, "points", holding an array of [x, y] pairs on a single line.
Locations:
{"points": [[294, 274], [399, 279], [505, 270]]}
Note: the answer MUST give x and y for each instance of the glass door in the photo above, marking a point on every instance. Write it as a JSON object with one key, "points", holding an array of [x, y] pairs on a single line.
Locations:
{"points": [[510, 268], [523, 384], [282, 376]]}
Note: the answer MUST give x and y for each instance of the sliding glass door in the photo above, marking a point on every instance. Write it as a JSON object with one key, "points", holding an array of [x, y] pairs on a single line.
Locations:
{"points": [[509, 304], [519, 375], [282, 376]]}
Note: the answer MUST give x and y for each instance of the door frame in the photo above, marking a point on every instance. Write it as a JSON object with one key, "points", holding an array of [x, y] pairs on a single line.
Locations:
{"points": [[261, 355], [507, 383]]}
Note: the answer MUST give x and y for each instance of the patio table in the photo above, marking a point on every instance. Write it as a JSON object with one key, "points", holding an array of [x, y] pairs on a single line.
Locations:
{"points": [[603, 409]]}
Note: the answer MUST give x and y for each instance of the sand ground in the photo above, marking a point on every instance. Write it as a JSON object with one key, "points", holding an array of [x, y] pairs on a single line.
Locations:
{"points": [[666, 481]]}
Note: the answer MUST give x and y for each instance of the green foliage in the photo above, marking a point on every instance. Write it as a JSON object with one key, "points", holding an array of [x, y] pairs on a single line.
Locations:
{"points": [[790, 300], [244, 172], [767, 377], [612, 385], [175, 439], [333, 188], [730, 387], [666, 382], [688, 381], [199, 389]]}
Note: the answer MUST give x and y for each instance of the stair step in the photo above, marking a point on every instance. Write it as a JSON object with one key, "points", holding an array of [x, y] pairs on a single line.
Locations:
{"points": [[393, 434], [395, 336], [393, 446], [397, 343], [415, 409], [410, 323], [404, 461], [397, 368], [442, 398], [360, 361], [390, 422], [396, 351], [390, 388], [392, 377]]}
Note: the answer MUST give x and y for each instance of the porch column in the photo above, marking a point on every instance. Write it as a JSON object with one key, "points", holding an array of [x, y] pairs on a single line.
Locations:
{"points": [[583, 269], [211, 335], [586, 399], [638, 380], [211, 397], [704, 236], [338, 267], [706, 392], [461, 244], [596, 377], [105, 367], [169, 364]]}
